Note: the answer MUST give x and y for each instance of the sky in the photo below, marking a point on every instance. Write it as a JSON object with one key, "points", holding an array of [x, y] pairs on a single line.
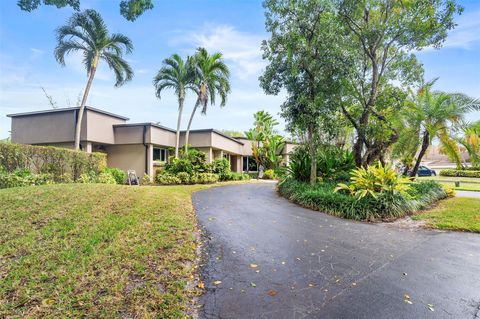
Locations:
{"points": [[235, 28]]}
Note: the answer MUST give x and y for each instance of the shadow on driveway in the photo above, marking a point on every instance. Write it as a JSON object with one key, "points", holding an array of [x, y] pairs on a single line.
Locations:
{"points": [[277, 260]]}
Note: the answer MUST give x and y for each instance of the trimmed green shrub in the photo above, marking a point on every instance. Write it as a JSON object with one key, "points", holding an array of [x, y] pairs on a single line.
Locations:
{"points": [[221, 166], [233, 176], [322, 197], [207, 178], [119, 175], [87, 178], [21, 178], [460, 172], [50, 160], [177, 165], [106, 178], [167, 179], [184, 177], [269, 174], [145, 181]]}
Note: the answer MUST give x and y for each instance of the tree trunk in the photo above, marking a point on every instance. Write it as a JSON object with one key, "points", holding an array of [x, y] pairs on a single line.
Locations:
{"points": [[313, 156], [187, 133], [180, 110], [423, 150], [78, 125]]}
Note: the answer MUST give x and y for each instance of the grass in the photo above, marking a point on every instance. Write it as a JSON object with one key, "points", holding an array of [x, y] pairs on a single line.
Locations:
{"points": [[459, 213], [96, 251], [466, 183]]}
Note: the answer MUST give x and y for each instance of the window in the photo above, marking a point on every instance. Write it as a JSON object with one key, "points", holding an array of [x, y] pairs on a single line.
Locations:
{"points": [[160, 154]]}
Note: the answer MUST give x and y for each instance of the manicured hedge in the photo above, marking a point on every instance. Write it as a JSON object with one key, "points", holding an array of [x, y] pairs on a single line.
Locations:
{"points": [[60, 163], [322, 197], [460, 172]]}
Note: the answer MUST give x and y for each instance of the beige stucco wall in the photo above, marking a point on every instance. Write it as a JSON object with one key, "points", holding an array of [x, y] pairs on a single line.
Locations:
{"points": [[127, 157], [160, 136], [129, 135], [197, 139], [100, 127], [57, 127], [223, 143]]}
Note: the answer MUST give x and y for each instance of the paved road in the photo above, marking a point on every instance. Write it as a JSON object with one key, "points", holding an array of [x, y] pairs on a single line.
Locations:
{"points": [[312, 265], [467, 194]]}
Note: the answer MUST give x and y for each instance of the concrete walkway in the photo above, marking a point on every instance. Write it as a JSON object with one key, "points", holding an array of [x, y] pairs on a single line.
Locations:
{"points": [[269, 258], [467, 194]]}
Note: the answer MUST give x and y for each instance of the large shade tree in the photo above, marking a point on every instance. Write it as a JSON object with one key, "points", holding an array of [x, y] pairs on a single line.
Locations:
{"points": [[380, 36], [179, 75], [211, 79], [304, 60], [87, 34]]}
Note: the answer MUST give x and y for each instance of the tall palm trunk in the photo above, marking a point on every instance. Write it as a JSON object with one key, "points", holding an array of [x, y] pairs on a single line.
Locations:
{"points": [[78, 126], [187, 133], [181, 99], [423, 150]]}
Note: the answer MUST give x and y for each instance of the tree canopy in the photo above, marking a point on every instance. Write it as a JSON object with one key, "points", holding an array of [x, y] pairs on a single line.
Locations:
{"points": [[129, 9]]}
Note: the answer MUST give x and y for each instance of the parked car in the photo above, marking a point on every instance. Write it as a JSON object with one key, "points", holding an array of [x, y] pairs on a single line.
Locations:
{"points": [[425, 171]]}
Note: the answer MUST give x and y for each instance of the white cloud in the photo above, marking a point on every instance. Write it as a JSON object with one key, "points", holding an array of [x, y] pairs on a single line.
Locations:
{"points": [[241, 50]]}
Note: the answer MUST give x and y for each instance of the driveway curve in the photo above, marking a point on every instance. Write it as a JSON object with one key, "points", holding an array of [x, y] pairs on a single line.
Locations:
{"points": [[265, 257]]}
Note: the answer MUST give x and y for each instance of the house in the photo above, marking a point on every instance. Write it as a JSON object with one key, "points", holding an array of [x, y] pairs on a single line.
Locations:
{"points": [[128, 146]]}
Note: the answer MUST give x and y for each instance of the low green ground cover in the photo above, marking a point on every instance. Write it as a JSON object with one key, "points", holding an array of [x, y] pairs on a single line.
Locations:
{"points": [[322, 197], [96, 251], [457, 213]]}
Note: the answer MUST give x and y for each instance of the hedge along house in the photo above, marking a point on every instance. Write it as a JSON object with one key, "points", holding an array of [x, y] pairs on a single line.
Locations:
{"points": [[129, 146]]}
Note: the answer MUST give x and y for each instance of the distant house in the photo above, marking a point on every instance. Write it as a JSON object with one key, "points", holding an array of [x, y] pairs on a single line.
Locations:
{"points": [[128, 145]]}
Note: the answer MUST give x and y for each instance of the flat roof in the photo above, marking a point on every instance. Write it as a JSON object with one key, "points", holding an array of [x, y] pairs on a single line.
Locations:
{"points": [[211, 130], [68, 109], [145, 124]]}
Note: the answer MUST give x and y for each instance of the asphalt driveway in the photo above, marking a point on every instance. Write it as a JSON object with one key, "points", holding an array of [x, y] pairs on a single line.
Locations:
{"points": [[268, 258]]}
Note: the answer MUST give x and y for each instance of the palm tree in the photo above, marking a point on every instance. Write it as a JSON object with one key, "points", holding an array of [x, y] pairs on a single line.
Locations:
{"points": [[437, 113], [212, 76], [471, 141], [178, 75], [87, 33]]}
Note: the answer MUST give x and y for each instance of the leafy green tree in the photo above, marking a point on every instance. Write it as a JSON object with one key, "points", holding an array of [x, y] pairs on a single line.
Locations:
{"points": [[212, 79], [471, 141], [87, 33], [178, 75], [380, 34], [304, 60], [233, 133], [266, 143], [130, 9], [435, 115]]}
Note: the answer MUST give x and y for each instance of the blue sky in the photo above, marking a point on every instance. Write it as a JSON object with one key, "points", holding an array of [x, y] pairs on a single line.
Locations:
{"points": [[235, 28]]}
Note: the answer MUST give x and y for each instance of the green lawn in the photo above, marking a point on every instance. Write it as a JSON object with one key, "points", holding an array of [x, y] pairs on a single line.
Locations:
{"points": [[466, 183], [456, 213], [96, 251]]}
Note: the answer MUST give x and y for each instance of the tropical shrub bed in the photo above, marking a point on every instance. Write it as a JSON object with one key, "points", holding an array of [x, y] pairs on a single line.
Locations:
{"points": [[27, 165], [376, 192], [468, 172], [322, 197], [193, 168], [332, 163]]}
